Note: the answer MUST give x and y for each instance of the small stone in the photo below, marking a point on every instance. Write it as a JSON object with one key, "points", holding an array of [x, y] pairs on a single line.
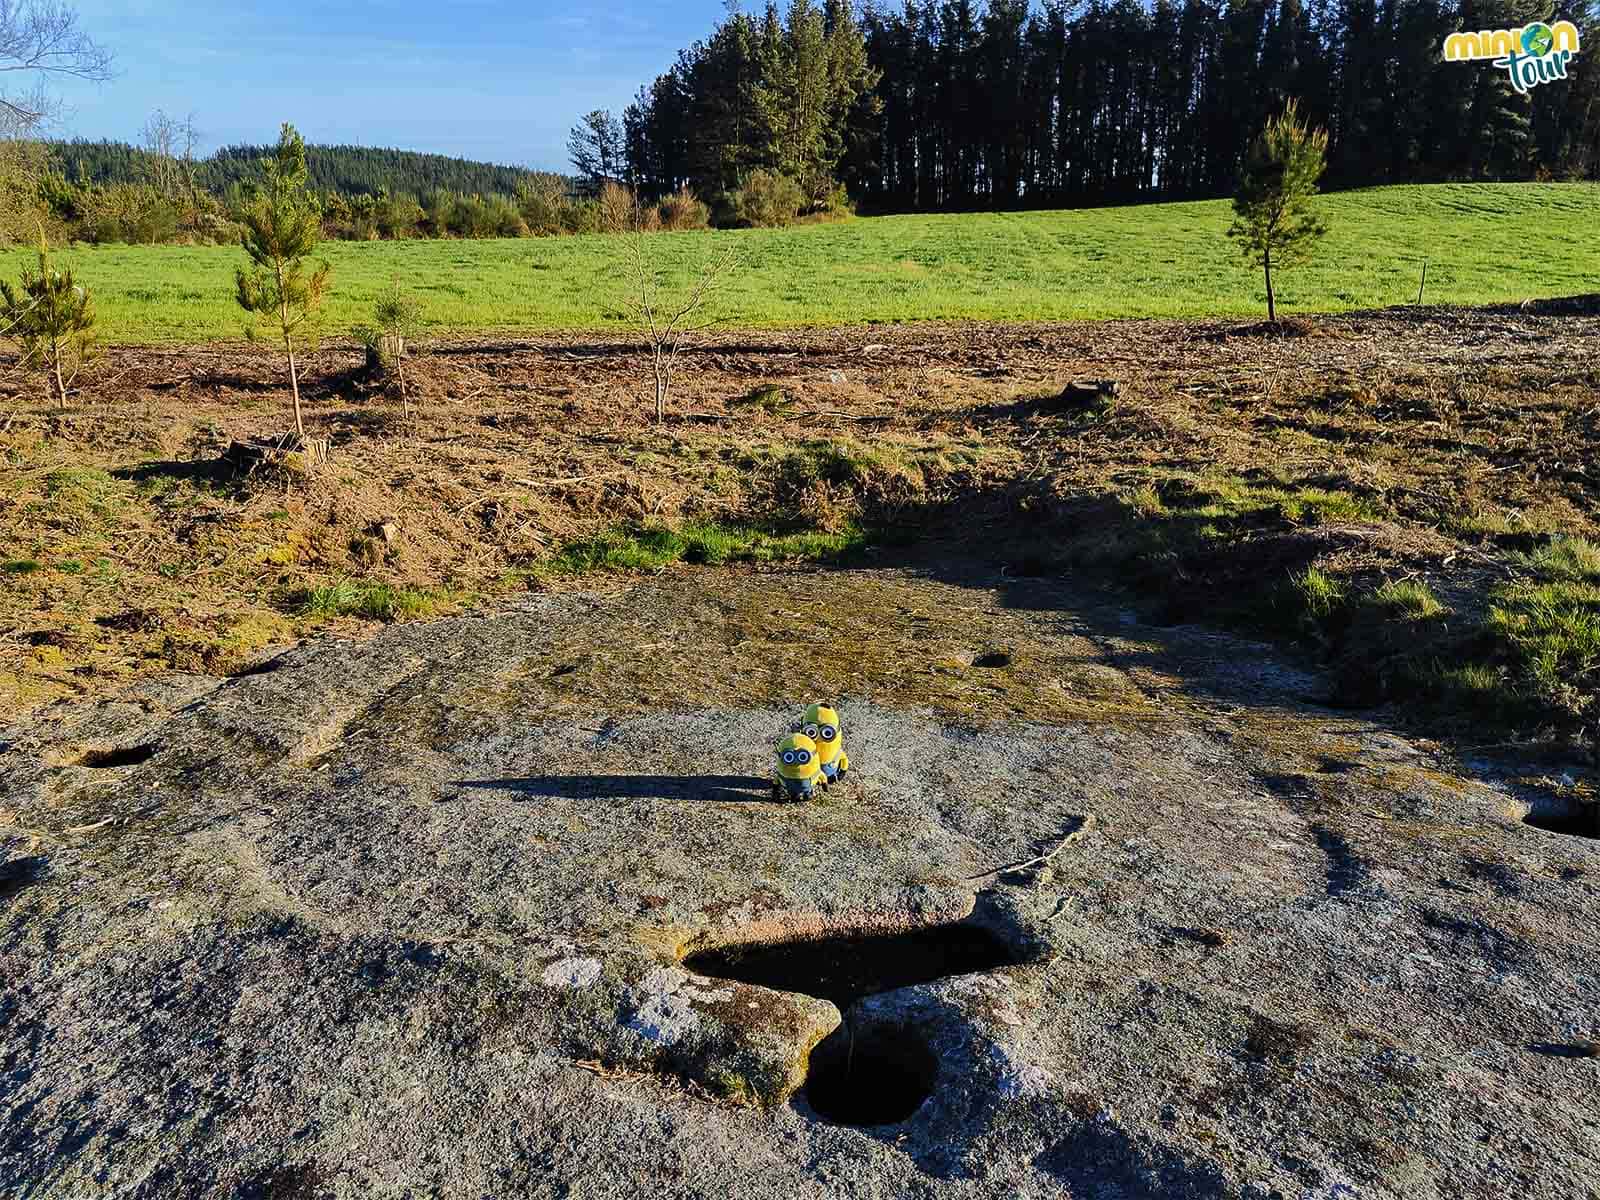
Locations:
{"points": [[572, 972]]}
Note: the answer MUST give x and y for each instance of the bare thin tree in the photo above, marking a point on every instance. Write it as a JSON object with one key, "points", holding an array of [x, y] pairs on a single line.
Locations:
{"points": [[160, 140], [188, 140], [669, 316], [40, 39], [170, 144]]}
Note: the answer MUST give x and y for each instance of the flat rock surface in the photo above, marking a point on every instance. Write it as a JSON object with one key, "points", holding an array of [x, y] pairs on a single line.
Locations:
{"points": [[406, 916]]}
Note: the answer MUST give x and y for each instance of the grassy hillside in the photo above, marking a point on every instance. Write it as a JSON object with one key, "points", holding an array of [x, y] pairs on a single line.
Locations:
{"points": [[1484, 243]]}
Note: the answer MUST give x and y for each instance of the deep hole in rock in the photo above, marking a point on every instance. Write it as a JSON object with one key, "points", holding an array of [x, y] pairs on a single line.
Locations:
{"points": [[993, 658], [1571, 818], [880, 1076], [18, 873], [117, 756], [843, 968]]}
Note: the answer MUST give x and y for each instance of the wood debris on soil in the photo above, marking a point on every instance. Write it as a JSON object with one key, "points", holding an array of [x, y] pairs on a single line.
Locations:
{"points": [[124, 503]]}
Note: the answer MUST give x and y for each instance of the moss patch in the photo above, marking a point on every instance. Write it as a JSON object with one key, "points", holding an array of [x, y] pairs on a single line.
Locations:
{"points": [[646, 547], [366, 599]]}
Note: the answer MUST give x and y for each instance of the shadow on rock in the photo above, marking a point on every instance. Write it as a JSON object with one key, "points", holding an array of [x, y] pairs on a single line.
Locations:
{"points": [[1566, 1049], [1347, 871], [719, 788], [1101, 1158]]}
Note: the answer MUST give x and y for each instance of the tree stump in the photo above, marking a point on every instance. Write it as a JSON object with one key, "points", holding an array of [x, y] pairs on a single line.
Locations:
{"points": [[384, 355], [1087, 395], [1082, 392], [287, 453]]}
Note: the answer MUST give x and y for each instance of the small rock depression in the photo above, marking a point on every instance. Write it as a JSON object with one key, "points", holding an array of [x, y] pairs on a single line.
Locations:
{"points": [[877, 1077], [18, 873], [117, 756], [266, 666]]}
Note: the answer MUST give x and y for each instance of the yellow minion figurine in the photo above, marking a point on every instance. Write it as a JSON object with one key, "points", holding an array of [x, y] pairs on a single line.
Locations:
{"points": [[821, 725], [799, 768]]}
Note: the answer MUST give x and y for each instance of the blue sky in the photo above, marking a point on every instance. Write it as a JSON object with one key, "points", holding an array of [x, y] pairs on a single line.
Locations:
{"points": [[483, 80]]}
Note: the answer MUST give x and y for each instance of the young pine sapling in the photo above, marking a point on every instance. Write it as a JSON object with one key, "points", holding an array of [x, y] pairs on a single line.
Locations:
{"points": [[396, 322], [53, 317], [1273, 222], [281, 228]]}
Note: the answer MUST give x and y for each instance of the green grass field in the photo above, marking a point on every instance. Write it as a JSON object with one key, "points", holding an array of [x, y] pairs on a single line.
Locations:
{"points": [[1483, 242]]}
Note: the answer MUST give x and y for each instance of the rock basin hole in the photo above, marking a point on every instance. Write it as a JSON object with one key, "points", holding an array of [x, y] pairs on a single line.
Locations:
{"points": [[842, 968], [992, 660], [880, 1076], [117, 756], [1571, 817]]}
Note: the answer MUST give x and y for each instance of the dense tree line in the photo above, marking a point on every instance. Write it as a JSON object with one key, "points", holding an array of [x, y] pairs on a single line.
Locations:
{"points": [[348, 170], [160, 192], [787, 94], [167, 197], [965, 104]]}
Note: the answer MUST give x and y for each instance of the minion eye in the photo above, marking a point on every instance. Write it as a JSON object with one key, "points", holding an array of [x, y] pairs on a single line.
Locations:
{"points": [[802, 757], [788, 757], [829, 733], [811, 731]]}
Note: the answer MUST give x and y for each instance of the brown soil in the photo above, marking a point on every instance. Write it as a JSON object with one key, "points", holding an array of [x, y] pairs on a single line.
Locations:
{"points": [[130, 548]]}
